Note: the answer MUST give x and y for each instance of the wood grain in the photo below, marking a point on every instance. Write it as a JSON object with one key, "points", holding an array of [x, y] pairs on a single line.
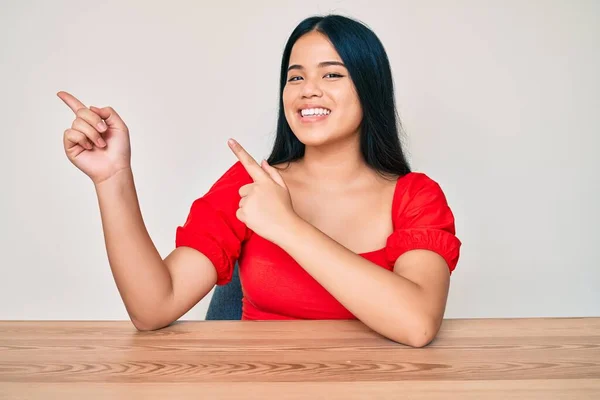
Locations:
{"points": [[484, 358]]}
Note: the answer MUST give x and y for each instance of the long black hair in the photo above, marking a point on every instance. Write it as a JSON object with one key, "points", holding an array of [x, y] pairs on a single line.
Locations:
{"points": [[366, 60]]}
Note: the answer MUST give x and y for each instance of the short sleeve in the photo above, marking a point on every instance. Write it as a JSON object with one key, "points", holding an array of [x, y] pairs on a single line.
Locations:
{"points": [[212, 227], [422, 219]]}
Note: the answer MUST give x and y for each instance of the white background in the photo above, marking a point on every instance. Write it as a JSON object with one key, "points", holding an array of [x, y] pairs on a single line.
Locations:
{"points": [[499, 99]]}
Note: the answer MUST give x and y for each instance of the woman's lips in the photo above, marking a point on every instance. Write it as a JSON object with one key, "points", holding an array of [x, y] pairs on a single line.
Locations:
{"points": [[309, 119]]}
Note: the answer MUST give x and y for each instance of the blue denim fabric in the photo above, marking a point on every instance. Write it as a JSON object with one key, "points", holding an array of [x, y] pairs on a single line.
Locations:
{"points": [[226, 303]]}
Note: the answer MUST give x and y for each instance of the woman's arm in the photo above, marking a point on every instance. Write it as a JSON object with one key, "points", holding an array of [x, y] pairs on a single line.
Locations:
{"points": [[406, 305], [155, 292]]}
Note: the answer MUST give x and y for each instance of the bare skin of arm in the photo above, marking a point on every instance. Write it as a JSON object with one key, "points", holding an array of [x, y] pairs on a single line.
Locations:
{"points": [[406, 305], [156, 292]]}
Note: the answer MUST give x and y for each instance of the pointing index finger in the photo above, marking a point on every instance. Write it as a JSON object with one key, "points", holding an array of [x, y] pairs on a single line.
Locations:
{"points": [[254, 170], [71, 101]]}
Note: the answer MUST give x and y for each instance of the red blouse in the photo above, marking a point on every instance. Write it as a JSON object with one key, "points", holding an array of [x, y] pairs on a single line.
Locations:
{"points": [[274, 285]]}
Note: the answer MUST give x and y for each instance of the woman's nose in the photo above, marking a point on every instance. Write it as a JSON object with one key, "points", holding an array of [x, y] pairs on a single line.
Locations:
{"points": [[311, 88]]}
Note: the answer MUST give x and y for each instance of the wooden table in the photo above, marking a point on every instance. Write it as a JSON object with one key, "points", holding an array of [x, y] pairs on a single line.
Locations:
{"points": [[470, 359]]}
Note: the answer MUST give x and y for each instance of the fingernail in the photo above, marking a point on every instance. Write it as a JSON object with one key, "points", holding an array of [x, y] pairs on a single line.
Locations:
{"points": [[101, 142], [101, 126]]}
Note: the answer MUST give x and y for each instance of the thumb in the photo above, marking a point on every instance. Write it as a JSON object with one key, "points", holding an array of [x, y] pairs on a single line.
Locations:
{"points": [[108, 114], [273, 173]]}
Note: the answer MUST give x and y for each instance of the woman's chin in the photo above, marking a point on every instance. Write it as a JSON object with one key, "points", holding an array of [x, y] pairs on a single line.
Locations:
{"points": [[313, 138]]}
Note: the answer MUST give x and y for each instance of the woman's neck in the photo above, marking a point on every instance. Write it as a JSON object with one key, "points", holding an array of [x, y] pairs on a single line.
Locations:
{"points": [[339, 163]]}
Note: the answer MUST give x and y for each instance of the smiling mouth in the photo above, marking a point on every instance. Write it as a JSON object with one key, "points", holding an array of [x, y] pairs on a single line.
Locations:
{"points": [[313, 117]]}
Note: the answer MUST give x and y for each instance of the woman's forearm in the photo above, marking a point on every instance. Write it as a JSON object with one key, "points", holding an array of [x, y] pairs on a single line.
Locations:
{"points": [[142, 278], [386, 302]]}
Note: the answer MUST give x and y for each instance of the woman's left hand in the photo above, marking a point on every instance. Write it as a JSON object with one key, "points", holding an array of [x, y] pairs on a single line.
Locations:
{"points": [[266, 206]]}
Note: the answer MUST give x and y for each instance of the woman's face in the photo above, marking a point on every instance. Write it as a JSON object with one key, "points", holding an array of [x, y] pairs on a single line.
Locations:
{"points": [[319, 99]]}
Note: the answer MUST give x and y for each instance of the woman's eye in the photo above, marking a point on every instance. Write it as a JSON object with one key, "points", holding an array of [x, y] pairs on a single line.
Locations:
{"points": [[330, 75]]}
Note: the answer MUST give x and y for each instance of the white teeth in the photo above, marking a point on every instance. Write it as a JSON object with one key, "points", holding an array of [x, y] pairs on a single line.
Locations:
{"points": [[315, 111]]}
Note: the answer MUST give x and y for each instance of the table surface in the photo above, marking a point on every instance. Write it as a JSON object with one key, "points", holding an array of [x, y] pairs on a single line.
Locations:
{"points": [[544, 358]]}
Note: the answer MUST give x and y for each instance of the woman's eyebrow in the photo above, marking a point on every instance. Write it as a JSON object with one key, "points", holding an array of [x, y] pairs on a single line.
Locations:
{"points": [[321, 65]]}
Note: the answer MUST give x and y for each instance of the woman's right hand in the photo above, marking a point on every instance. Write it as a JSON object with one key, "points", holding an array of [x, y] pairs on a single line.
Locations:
{"points": [[98, 141]]}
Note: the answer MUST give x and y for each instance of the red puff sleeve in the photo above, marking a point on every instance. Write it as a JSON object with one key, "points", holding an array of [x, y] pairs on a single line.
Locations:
{"points": [[212, 227], [422, 220]]}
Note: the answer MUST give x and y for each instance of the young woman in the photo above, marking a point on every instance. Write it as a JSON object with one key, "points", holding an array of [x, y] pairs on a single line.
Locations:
{"points": [[334, 225]]}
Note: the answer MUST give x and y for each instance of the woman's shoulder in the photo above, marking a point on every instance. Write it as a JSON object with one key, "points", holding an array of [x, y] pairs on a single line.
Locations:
{"points": [[417, 181], [224, 191], [415, 190], [236, 172], [422, 220], [234, 177]]}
